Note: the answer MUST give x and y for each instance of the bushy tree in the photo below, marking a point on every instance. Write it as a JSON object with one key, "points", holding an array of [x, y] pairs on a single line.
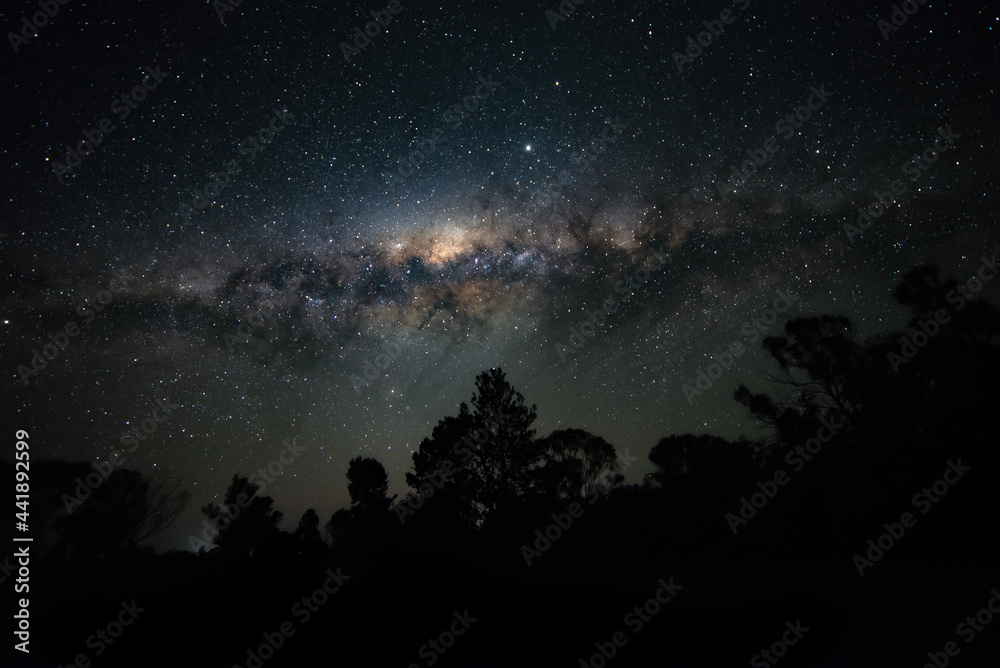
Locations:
{"points": [[307, 534], [575, 463], [246, 523], [482, 458], [368, 485], [701, 457], [121, 513]]}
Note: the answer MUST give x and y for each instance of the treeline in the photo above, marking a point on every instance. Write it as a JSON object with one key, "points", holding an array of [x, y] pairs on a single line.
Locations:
{"points": [[854, 430]]}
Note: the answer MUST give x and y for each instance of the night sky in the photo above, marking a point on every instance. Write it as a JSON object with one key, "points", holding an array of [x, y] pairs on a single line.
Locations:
{"points": [[595, 156]]}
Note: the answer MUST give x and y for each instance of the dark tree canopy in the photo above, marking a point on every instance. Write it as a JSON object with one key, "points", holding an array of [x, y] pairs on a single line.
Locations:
{"points": [[368, 485], [246, 522], [307, 533], [576, 463], [821, 362], [699, 457], [338, 525], [441, 479], [926, 293], [118, 515], [502, 464], [488, 452], [153, 506]]}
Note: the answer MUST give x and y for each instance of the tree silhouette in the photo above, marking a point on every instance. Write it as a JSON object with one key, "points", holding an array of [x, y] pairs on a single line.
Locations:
{"points": [[118, 515], [479, 460], [453, 439], [825, 373], [154, 507], [306, 542], [884, 413], [700, 457], [872, 386], [338, 525], [307, 533], [368, 485], [972, 319], [248, 523], [441, 477], [576, 463], [501, 467]]}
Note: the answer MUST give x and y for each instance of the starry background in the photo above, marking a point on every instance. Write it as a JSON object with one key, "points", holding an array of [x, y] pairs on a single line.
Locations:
{"points": [[465, 264]]}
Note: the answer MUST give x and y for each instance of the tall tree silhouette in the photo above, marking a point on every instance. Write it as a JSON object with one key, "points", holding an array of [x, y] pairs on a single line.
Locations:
{"points": [[501, 466], [481, 459]]}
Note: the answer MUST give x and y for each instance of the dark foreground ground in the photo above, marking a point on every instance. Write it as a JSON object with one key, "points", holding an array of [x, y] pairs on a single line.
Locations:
{"points": [[542, 616]]}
